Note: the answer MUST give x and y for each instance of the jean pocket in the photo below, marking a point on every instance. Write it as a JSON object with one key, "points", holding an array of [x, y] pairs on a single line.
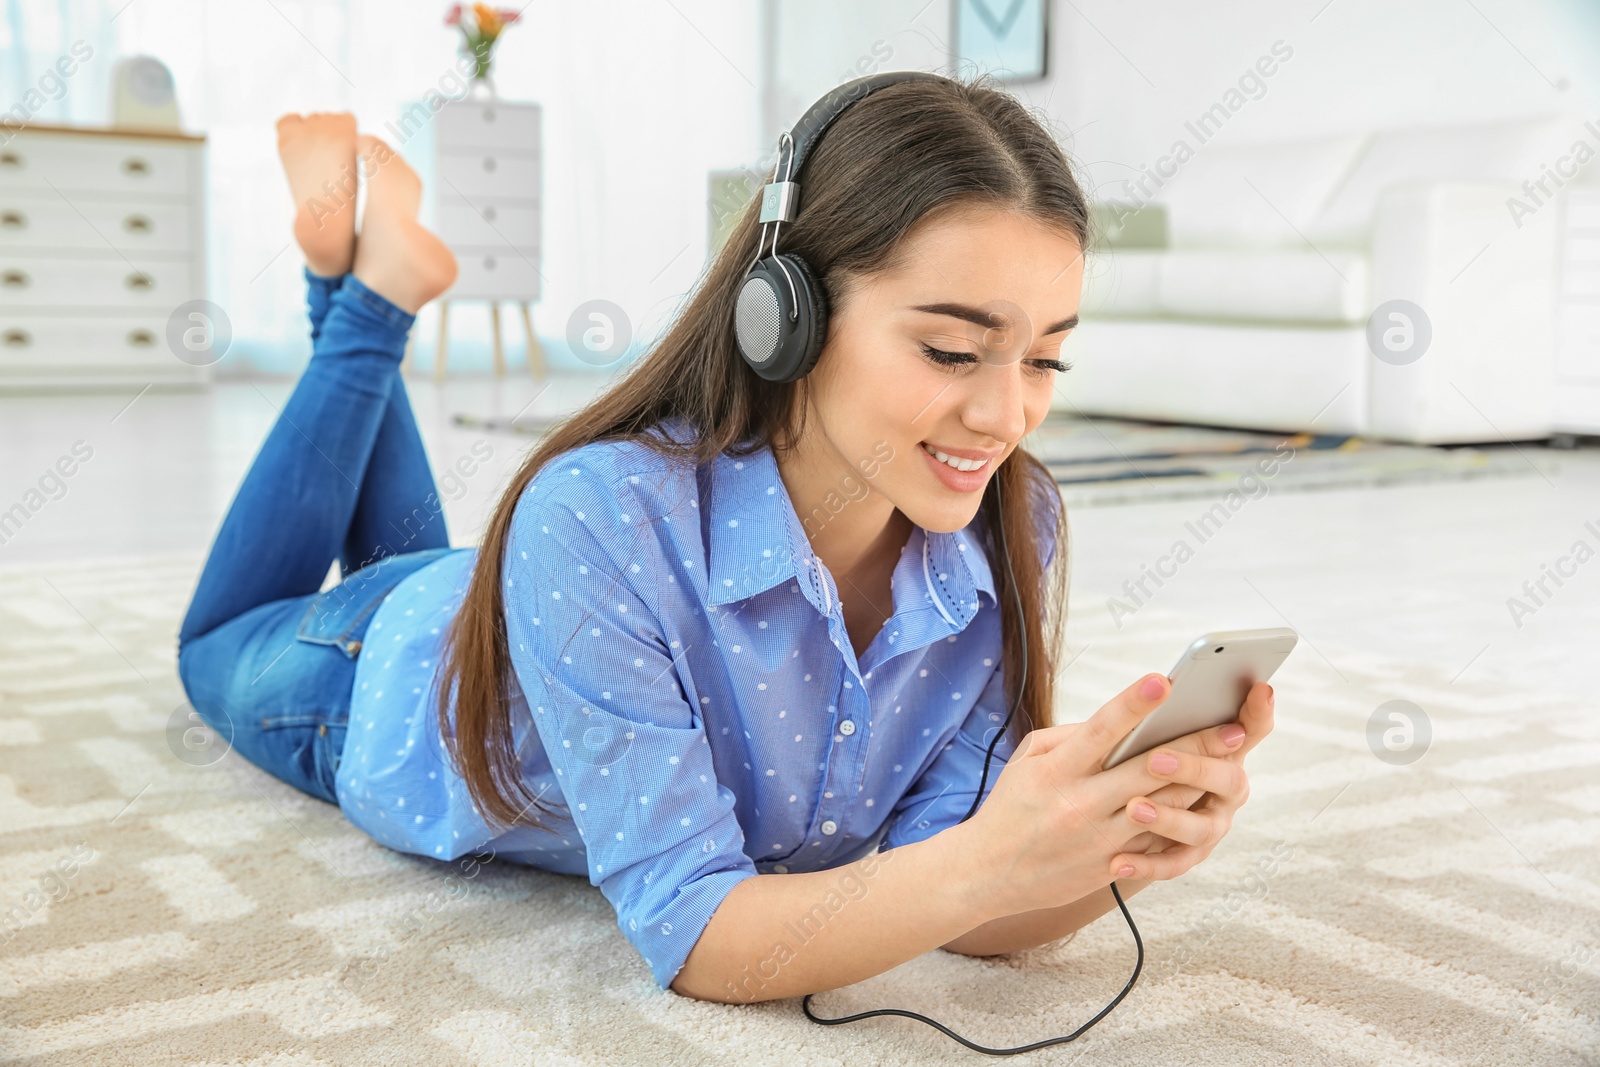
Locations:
{"points": [[339, 616]]}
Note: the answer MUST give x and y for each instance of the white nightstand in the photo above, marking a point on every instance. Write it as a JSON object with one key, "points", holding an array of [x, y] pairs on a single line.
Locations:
{"points": [[102, 238], [486, 193]]}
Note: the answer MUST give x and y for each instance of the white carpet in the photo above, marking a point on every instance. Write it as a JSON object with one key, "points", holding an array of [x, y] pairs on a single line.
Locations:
{"points": [[1446, 912]]}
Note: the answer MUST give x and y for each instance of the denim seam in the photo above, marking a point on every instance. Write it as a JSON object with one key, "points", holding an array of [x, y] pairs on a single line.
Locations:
{"points": [[293, 720]]}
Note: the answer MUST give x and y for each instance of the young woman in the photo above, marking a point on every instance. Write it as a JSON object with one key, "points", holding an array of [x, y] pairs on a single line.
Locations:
{"points": [[734, 650]]}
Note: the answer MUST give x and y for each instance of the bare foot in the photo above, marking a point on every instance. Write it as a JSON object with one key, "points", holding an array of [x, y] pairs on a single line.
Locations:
{"points": [[396, 258], [319, 156]]}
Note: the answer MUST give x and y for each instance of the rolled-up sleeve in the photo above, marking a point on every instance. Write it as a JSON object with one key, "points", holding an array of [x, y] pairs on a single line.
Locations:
{"points": [[629, 751], [942, 794]]}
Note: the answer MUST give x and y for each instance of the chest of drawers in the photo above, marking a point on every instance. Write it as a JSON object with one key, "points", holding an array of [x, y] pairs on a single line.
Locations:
{"points": [[486, 201], [102, 239]]}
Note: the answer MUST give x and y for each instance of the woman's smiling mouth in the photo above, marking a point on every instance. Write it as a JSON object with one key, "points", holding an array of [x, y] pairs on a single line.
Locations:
{"points": [[963, 470]]}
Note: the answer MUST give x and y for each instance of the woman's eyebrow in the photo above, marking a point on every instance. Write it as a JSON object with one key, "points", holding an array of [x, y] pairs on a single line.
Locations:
{"points": [[979, 317]]}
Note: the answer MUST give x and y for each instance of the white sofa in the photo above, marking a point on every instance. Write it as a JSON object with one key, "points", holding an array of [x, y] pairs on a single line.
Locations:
{"points": [[1253, 312]]}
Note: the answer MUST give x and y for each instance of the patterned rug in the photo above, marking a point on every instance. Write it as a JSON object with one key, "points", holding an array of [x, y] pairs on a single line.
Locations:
{"points": [[1099, 460], [1364, 910]]}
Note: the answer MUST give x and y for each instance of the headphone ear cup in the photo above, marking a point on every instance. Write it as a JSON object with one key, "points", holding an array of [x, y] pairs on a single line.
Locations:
{"points": [[813, 317], [781, 318]]}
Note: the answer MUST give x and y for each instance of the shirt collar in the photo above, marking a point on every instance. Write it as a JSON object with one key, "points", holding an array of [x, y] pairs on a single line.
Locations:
{"points": [[756, 541]]}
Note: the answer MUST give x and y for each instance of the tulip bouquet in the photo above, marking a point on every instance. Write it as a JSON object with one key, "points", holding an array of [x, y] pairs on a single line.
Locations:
{"points": [[480, 26]]}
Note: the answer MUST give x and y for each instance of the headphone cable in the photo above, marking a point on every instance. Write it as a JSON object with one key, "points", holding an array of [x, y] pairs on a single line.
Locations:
{"points": [[1138, 942]]}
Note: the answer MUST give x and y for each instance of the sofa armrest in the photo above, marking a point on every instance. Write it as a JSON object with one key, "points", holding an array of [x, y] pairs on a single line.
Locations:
{"points": [[1485, 280]]}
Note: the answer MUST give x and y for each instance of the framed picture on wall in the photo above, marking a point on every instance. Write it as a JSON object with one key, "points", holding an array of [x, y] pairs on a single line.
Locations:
{"points": [[1008, 38]]}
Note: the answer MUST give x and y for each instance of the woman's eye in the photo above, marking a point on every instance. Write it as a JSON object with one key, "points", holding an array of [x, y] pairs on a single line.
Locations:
{"points": [[1039, 367], [948, 359]]}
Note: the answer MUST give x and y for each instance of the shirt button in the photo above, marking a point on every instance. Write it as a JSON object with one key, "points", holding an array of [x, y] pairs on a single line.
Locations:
{"points": [[829, 826], [847, 727], [781, 869]]}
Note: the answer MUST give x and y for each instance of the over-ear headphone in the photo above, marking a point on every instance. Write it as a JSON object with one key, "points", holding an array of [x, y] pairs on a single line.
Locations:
{"points": [[780, 324], [781, 317]]}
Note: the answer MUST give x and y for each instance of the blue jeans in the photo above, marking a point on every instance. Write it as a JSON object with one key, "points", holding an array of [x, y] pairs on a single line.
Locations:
{"points": [[268, 661]]}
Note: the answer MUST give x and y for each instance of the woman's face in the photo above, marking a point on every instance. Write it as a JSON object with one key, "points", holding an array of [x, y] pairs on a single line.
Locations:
{"points": [[906, 370]]}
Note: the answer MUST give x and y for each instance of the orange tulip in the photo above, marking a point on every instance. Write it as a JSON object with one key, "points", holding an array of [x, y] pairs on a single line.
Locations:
{"points": [[488, 20]]}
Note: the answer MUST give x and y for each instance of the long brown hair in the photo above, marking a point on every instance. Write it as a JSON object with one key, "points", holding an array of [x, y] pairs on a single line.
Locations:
{"points": [[885, 164]]}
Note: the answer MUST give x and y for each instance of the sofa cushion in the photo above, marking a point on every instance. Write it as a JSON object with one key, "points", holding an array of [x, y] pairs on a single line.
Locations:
{"points": [[1272, 285], [1230, 195], [1281, 285], [1497, 152], [1283, 378]]}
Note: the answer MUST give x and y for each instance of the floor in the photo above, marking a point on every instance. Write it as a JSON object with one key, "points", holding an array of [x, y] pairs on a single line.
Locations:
{"points": [[1362, 910], [1419, 573]]}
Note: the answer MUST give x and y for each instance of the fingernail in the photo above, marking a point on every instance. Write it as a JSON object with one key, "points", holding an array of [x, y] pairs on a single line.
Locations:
{"points": [[1144, 812], [1151, 688], [1125, 871], [1231, 734], [1163, 763]]}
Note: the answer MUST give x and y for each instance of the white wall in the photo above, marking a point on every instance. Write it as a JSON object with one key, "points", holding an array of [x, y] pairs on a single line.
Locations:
{"points": [[1125, 76]]}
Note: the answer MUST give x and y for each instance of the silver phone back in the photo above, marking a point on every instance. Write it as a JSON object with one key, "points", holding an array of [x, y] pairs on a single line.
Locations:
{"points": [[1209, 684]]}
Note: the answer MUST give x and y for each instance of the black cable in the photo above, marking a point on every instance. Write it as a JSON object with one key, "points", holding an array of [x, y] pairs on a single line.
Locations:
{"points": [[1138, 942]]}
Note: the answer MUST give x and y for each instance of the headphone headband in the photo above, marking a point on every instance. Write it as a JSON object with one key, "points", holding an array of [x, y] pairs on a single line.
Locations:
{"points": [[780, 200]]}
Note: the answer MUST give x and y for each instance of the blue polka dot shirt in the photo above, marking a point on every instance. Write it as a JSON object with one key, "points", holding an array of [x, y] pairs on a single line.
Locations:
{"points": [[686, 694]]}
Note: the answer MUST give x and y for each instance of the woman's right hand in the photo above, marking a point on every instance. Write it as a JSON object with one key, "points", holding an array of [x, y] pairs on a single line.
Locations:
{"points": [[1046, 833]]}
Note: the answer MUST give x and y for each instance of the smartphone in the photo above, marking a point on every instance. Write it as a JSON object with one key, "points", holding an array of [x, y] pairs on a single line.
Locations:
{"points": [[1209, 685]]}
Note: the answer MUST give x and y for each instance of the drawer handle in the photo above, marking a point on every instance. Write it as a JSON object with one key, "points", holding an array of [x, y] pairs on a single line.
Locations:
{"points": [[488, 263], [141, 338], [10, 159], [139, 281], [489, 213], [488, 114], [17, 338], [14, 279], [489, 164], [137, 224], [13, 220], [135, 167]]}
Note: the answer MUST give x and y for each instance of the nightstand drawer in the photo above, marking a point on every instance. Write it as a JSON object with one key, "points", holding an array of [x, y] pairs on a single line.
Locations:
{"points": [[37, 283], [487, 223], [499, 274], [1581, 281], [1583, 209], [488, 173], [1578, 340], [126, 226], [510, 128], [113, 166]]}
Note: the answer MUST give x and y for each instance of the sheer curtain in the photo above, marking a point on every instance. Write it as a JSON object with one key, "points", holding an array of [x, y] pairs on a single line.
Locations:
{"points": [[640, 101]]}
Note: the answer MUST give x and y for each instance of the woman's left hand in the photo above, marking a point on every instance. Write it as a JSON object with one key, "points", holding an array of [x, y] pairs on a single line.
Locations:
{"points": [[1189, 815]]}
